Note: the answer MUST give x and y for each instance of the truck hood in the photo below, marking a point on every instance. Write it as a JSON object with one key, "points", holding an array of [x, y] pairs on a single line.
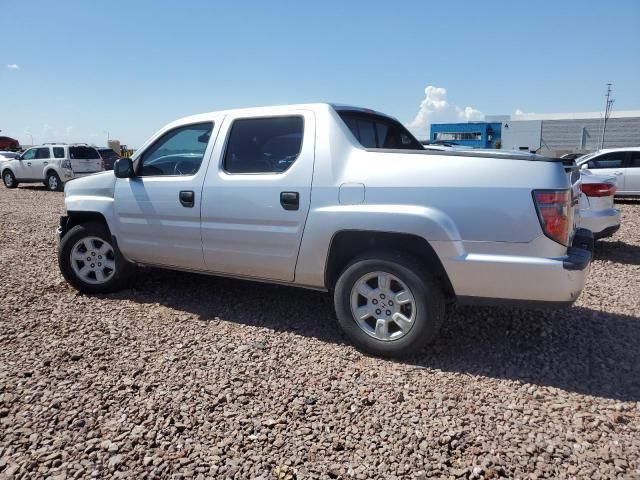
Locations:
{"points": [[100, 184]]}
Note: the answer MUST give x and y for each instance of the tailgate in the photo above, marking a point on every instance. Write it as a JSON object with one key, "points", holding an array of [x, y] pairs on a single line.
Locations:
{"points": [[573, 177], [86, 165], [85, 159]]}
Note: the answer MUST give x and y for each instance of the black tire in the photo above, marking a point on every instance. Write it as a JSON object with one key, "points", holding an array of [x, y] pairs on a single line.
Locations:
{"points": [[124, 271], [9, 179], [58, 187], [430, 303]]}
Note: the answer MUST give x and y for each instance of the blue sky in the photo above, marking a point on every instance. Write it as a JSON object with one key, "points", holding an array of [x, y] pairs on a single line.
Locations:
{"points": [[73, 70]]}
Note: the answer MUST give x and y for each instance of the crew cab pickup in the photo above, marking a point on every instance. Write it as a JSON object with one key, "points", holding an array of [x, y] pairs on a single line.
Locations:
{"points": [[335, 198]]}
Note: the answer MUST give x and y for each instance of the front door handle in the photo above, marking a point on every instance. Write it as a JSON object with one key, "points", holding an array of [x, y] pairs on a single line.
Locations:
{"points": [[187, 198], [290, 200], [29, 163], [617, 173]]}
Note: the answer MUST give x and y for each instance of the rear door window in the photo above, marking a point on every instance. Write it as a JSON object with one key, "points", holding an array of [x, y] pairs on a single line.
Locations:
{"points": [[263, 145], [43, 153], [634, 160], [58, 152]]}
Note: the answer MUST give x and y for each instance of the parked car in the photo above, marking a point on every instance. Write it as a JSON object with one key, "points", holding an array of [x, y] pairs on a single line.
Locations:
{"points": [[339, 199], [8, 143], [5, 155], [51, 164], [109, 157], [597, 211], [624, 163]]}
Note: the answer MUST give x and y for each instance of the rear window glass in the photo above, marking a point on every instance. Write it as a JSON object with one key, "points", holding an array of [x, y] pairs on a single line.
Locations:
{"points": [[83, 153], [376, 131], [58, 152]]}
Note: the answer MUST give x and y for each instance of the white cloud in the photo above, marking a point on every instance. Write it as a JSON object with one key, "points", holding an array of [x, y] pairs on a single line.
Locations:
{"points": [[469, 114], [435, 108], [434, 101], [13, 66], [521, 113]]}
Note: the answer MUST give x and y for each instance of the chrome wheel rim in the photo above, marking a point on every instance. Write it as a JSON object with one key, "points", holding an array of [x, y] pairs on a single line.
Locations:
{"points": [[383, 306], [93, 260], [53, 182], [7, 179]]}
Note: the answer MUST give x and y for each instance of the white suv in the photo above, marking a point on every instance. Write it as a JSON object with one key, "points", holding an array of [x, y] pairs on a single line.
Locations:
{"points": [[51, 164]]}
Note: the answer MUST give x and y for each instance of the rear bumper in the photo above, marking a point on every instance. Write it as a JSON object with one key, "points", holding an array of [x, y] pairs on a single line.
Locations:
{"points": [[602, 223], [482, 279]]}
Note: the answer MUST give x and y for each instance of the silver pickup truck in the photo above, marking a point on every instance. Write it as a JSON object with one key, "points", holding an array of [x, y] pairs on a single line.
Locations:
{"points": [[335, 198]]}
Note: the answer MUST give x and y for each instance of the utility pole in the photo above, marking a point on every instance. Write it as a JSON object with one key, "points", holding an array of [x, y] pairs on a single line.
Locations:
{"points": [[607, 112]]}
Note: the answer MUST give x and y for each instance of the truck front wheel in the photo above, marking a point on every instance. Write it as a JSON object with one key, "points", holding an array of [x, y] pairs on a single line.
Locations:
{"points": [[90, 262], [388, 304]]}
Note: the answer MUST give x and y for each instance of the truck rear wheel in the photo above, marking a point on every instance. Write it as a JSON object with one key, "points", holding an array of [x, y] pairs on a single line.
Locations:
{"points": [[389, 305], [90, 262]]}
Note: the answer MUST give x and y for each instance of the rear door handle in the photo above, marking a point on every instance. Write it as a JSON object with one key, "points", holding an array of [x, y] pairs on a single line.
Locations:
{"points": [[290, 200], [46, 163], [617, 173], [187, 198]]}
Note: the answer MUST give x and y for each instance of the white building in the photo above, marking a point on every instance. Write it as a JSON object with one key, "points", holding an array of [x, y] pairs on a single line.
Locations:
{"points": [[560, 133]]}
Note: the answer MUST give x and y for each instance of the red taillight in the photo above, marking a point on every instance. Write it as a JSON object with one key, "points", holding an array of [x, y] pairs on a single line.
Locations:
{"points": [[598, 189], [554, 211]]}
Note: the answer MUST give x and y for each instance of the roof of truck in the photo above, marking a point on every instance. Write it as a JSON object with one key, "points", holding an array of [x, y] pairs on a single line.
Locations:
{"points": [[266, 109]]}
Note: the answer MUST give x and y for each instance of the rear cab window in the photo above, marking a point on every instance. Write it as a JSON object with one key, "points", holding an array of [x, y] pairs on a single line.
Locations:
{"points": [[377, 131]]}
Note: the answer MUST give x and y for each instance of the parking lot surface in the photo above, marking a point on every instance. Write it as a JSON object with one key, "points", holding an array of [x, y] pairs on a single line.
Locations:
{"points": [[194, 376]]}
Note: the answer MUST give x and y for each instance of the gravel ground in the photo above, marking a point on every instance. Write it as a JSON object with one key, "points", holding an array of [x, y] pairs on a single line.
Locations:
{"points": [[194, 376]]}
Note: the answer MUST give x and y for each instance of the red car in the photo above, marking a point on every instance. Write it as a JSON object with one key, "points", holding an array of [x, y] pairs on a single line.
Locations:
{"points": [[8, 143]]}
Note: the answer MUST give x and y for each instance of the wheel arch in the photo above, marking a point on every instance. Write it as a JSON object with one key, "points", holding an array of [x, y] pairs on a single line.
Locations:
{"points": [[7, 168], [79, 217], [51, 169], [348, 244]]}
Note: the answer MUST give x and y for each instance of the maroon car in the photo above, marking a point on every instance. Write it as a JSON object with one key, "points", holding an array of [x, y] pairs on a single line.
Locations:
{"points": [[8, 143]]}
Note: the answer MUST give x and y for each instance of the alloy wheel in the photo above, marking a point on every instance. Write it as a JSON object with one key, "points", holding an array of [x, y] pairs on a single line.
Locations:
{"points": [[93, 260], [383, 306]]}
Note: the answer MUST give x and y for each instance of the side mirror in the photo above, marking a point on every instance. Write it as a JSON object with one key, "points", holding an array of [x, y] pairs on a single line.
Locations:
{"points": [[123, 168], [584, 166]]}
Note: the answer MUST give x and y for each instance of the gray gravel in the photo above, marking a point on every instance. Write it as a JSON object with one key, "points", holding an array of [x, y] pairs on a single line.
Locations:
{"points": [[193, 376]]}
